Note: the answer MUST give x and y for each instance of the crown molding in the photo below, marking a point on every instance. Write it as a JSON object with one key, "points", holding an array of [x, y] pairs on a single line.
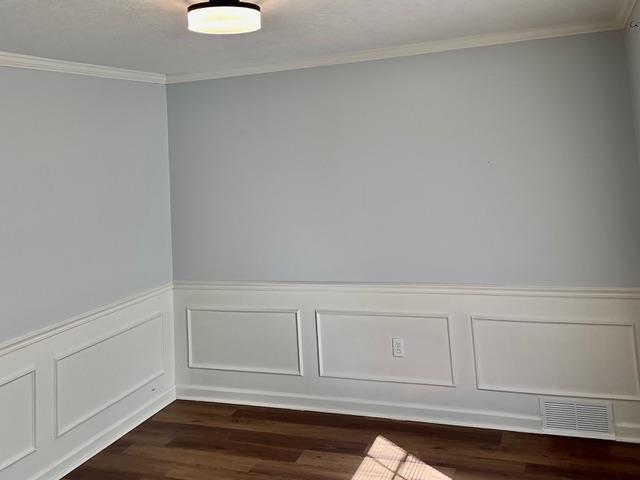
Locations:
{"points": [[15, 60], [403, 51], [624, 15]]}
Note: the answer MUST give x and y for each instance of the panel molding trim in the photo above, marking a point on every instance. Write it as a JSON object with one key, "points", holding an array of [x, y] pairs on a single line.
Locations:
{"points": [[480, 385], [61, 430], [382, 378], [4, 464], [298, 372]]}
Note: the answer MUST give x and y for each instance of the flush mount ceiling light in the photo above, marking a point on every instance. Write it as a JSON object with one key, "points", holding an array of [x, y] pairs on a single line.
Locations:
{"points": [[224, 17]]}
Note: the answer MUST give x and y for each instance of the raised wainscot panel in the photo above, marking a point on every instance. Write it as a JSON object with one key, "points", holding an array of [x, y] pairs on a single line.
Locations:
{"points": [[358, 345], [17, 418], [90, 379], [244, 340], [578, 359]]}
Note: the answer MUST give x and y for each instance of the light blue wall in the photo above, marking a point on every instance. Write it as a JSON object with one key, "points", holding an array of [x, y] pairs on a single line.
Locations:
{"points": [[84, 195], [509, 165], [632, 38]]}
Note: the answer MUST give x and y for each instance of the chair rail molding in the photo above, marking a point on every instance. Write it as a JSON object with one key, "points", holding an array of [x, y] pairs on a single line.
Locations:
{"points": [[413, 288]]}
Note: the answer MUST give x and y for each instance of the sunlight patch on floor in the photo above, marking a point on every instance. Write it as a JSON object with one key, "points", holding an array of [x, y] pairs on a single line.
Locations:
{"points": [[387, 461]]}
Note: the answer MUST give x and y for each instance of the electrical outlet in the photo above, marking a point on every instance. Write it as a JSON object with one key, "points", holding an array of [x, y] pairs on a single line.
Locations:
{"points": [[397, 346]]}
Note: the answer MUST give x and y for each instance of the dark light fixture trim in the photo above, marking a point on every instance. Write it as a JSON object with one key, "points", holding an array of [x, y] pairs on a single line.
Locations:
{"points": [[224, 17], [223, 3]]}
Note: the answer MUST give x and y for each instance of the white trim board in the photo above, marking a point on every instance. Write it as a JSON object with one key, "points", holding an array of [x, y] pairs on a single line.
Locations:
{"points": [[399, 51], [411, 289], [624, 15], [77, 321], [356, 406], [625, 432], [15, 60]]}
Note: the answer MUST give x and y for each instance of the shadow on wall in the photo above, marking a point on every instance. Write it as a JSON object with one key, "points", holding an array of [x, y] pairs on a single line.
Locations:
{"points": [[387, 461]]}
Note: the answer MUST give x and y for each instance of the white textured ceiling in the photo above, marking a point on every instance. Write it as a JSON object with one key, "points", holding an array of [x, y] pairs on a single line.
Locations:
{"points": [[151, 35]]}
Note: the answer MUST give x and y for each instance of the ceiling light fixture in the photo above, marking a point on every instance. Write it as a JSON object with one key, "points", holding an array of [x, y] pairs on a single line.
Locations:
{"points": [[223, 17]]}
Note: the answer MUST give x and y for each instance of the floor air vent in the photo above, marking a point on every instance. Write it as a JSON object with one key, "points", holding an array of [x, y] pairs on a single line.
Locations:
{"points": [[583, 419]]}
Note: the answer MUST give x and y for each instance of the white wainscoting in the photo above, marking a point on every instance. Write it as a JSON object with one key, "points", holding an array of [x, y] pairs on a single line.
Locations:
{"points": [[478, 356], [473, 356], [67, 392]]}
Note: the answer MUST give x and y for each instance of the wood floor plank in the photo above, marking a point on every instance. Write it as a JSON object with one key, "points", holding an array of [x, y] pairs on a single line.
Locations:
{"points": [[203, 441], [293, 471], [242, 449], [185, 472], [376, 425], [192, 457], [335, 462], [262, 438], [88, 473], [127, 465], [267, 426]]}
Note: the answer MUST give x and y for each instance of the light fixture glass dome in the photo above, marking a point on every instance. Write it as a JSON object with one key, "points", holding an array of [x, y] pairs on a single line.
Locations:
{"points": [[224, 17]]}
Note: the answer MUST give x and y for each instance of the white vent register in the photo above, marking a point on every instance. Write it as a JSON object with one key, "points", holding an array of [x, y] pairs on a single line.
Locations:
{"points": [[585, 419]]}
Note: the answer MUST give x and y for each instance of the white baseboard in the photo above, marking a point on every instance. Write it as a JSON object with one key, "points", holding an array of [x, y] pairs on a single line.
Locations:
{"points": [[362, 407], [628, 432], [103, 439]]}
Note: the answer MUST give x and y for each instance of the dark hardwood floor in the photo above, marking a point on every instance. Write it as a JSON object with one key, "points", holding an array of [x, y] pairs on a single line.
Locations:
{"points": [[203, 441]]}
